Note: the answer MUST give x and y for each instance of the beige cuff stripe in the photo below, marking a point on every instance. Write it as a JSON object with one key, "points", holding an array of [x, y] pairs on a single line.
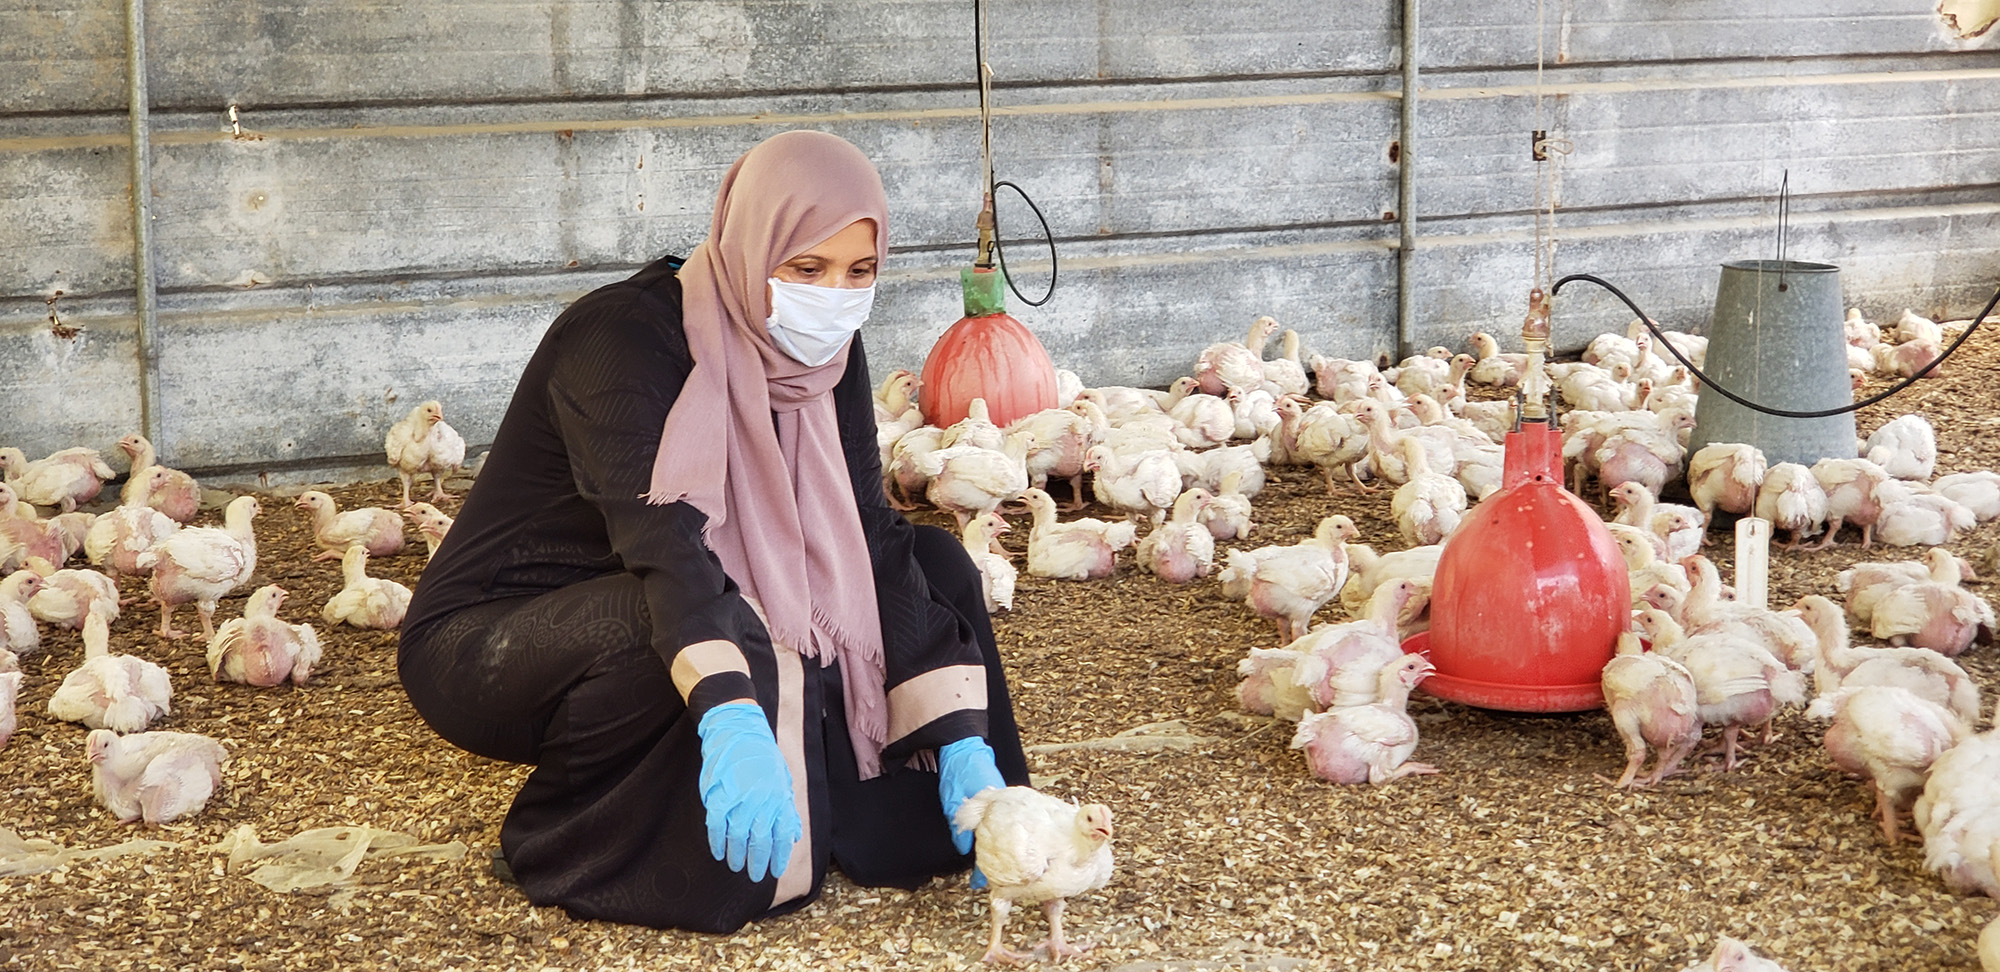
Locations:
{"points": [[705, 658], [923, 699]]}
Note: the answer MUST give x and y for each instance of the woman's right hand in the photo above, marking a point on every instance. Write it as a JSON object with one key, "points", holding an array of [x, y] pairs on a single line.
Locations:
{"points": [[747, 790]]}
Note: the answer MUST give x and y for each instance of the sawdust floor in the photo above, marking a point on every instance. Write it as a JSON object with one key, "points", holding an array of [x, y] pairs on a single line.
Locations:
{"points": [[1229, 854]]}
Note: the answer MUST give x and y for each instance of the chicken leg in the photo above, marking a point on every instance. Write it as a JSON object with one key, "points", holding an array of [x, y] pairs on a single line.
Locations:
{"points": [[1885, 808], [995, 952], [406, 478], [1059, 948]]}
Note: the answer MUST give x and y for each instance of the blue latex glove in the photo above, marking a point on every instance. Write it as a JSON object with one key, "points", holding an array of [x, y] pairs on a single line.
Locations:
{"points": [[964, 769], [747, 790]]}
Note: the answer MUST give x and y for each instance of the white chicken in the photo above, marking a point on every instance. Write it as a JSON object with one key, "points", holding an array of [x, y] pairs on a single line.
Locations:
{"points": [[996, 573], [1431, 375], [1256, 413], [1081, 549], [1644, 569], [1911, 326], [1369, 743], [1935, 613], [364, 601], [157, 777], [201, 564], [1599, 389], [422, 443], [1036, 849], [1370, 570], [1652, 702], [888, 430], [1341, 379], [1340, 665], [1181, 549], [1209, 467], [1385, 451], [1493, 367], [1144, 483], [975, 429], [1225, 365], [1851, 496], [10, 690], [1227, 513], [1905, 447], [432, 524], [1792, 499], [1866, 583], [1062, 437], [260, 649], [1428, 507], [1959, 817], [967, 480], [170, 491], [1270, 686], [1782, 633], [1859, 331], [897, 395], [1285, 374], [1649, 457], [377, 529], [25, 536], [1725, 476], [1289, 583], [1678, 528], [69, 595], [1330, 439], [124, 693], [1889, 735], [1201, 420], [1841, 664], [1912, 516], [1731, 955], [1738, 682], [1905, 360], [1978, 491], [117, 538], [1989, 943], [904, 474], [65, 479], [18, 631]]}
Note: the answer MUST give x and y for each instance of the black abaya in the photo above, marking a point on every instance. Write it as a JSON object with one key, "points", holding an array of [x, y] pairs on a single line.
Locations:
{"points": [[544, 629]]}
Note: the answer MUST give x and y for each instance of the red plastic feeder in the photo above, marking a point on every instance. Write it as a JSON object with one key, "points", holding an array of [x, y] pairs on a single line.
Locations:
{"points": [[1530, 593], [987, 354]]}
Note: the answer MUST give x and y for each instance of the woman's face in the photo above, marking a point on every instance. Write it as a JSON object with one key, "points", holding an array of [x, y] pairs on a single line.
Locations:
{"points": [[845, 260]]}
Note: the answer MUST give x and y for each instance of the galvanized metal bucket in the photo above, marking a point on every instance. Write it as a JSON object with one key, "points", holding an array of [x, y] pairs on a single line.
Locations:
{"points": [[1776, 340]]}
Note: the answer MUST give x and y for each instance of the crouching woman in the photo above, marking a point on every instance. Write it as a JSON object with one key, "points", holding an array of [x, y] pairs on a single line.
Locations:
{"points": [[678, 590]]}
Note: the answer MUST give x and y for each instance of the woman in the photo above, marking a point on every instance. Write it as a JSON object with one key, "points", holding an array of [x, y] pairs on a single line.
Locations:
{"points": [[679, 591]]}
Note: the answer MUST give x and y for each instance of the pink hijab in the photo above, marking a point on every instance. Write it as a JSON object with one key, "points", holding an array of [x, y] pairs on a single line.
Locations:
{"points": [[780, 506]]}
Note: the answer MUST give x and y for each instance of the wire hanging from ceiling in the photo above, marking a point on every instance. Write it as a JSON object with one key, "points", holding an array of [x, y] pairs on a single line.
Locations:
{"points": [[984, 72]]}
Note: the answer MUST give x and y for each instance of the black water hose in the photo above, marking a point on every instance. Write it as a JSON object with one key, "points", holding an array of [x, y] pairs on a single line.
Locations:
{"points": [[1708, 382], [1002, 253]]}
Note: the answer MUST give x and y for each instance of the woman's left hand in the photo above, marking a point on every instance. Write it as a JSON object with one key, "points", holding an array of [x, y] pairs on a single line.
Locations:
{"points": [[965, 768]]}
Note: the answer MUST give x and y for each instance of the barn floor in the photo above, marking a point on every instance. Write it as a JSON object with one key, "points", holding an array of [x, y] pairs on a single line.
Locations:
{"points": [[1518, 856]]}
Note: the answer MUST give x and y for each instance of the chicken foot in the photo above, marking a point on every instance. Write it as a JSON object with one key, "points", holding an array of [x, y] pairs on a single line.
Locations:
{"points": [[1058, 947], [996, 953], [1407, 769], [166, 622], [407, 479]]}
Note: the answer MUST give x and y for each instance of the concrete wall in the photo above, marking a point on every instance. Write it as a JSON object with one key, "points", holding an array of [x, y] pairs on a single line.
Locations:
{"points": [[434, 182]]}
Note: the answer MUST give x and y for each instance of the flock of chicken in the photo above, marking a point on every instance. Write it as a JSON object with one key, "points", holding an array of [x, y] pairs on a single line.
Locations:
{"points": [[1187, 462], [159, 776]]}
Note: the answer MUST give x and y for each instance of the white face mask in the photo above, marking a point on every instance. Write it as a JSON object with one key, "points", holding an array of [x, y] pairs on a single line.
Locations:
{"points": [[811, 324]]}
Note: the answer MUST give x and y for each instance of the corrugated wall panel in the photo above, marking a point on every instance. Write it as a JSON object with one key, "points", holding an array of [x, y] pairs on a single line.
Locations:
{"points": [[438, 181]]}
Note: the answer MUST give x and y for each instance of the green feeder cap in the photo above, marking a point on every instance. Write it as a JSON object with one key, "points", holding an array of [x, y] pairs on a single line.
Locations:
{"points": [[985, 291]]}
